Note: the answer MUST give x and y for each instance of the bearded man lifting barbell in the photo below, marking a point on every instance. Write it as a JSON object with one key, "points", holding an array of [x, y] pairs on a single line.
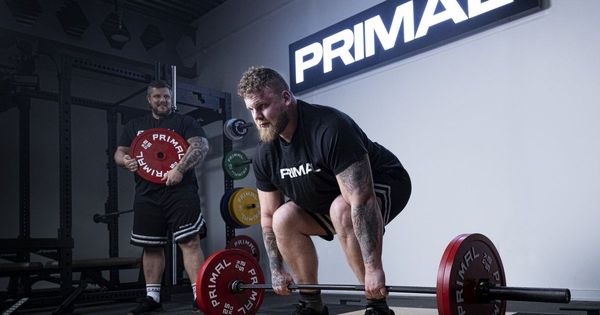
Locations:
{"points": [[171, 199], [337, 180]]}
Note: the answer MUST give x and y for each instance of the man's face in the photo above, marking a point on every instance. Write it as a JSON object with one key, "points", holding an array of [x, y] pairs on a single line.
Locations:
{"points": [[160, 102], [269, 112]]}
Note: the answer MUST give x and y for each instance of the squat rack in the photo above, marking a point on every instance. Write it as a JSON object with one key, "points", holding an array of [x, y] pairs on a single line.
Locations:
{"points": [[210, 106]]}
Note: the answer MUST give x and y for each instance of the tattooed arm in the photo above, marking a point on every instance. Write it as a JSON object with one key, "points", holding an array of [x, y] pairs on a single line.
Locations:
{"points": [[269, 203], [196, 152], [356, 185]]}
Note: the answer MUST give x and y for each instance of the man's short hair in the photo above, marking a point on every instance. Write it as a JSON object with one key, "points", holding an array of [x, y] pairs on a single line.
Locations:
{"points": [[157, 84], [257, 79]]}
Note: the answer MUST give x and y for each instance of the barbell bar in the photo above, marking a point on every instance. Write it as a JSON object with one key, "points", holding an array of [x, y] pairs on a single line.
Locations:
{"points": [[470, 280], [239, 286], [485, 292]]}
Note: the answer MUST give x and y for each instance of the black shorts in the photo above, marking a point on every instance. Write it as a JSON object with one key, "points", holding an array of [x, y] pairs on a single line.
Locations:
{"points": [[167, 209], [393, 193]]}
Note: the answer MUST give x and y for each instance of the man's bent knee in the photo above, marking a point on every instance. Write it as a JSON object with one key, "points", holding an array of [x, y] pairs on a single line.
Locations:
{"points": [[191, 243], [286, 217], [340, 213]]}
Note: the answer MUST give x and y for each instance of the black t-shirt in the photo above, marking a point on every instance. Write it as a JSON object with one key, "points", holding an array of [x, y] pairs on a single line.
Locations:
{"points": [[325, 143], [185, 126]]}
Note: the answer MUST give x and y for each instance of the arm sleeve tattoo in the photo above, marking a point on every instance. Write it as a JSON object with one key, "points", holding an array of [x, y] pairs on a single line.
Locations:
{"points": [[275, 259], [195, 154], [368, 227]]}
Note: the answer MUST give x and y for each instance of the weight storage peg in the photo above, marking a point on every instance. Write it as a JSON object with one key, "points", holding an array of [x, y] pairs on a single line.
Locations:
{"points": [[235, 128], [107, 217], [470, 280]]}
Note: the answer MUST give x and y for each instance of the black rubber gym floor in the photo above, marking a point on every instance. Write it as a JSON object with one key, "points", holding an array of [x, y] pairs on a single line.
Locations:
{"points": [[337, 304]]}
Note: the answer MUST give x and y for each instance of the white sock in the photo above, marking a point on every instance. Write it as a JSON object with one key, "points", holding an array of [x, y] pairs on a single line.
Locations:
{"points": [[153, 291], [194, 290]]}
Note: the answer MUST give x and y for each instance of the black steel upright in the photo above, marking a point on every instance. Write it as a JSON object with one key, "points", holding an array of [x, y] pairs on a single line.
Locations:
{"points": [[227, 147], [65, 203], [112, 198], [24, 104]]}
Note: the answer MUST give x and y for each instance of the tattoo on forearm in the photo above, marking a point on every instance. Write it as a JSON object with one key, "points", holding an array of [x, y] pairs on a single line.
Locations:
{"points": [[367, 229], [356, 176], [357, 179], [195, 154], [275, 259]]}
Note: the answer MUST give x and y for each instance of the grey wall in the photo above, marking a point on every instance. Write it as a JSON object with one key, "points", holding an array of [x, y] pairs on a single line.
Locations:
{"points": [[497, 130]]}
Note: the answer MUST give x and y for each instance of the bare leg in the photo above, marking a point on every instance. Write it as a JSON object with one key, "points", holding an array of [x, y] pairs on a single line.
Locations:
{"points": [[193, 257], [341, 217], [153, 262], [293, 227]]}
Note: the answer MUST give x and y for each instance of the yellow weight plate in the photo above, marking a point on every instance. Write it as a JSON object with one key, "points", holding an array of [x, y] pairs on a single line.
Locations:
{"points": [[244, 207]]}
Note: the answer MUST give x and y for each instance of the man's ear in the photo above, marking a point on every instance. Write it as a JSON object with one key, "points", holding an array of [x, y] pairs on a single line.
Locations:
{"points": [[287, 96]]}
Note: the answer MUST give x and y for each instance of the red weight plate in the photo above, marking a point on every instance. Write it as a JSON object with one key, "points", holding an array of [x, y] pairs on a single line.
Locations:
{"points": [[157, 150], [441, 291], [215, 295], [469, 259], [245, 243]]}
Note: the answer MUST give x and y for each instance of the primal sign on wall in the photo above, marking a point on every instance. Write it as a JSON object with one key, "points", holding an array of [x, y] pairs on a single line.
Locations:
{"points": [[393, 30]]}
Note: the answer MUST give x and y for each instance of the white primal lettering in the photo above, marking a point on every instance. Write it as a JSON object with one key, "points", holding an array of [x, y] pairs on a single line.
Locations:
{"points": [[358, 43], [430, 18], [212, 294], [374, 25], [347, 38], [294, 172], [314, 49]]}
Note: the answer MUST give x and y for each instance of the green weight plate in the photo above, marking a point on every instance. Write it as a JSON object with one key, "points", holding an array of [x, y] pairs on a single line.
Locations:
{"points": [[236, 165]]}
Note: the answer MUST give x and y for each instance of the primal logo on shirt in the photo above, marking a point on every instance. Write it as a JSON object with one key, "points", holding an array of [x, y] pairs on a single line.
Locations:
{"points": [[300, 170]]}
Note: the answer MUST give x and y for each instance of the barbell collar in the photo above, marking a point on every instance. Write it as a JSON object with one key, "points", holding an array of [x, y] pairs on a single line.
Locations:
{"points": [[550, 295]]}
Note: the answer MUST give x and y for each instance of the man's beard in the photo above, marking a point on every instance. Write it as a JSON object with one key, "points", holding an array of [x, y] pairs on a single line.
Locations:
{"points": [[272, 132], [161, 113]]}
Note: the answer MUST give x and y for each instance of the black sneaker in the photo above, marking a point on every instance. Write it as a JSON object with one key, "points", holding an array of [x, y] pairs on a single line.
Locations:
{"points": [[195, 307], [301, 309], [147, 306], [373, 311]]}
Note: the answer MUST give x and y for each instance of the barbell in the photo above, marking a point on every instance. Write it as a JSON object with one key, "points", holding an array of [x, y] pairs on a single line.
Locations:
{"points": [[470, 280]]}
